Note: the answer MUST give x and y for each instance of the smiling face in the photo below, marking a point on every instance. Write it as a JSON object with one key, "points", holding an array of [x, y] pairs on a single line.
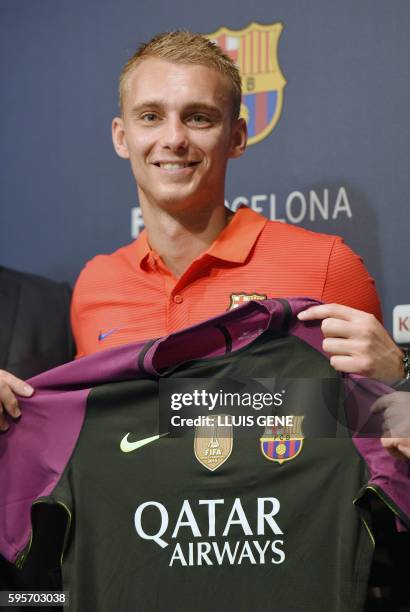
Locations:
{"points": [[178, 133]]}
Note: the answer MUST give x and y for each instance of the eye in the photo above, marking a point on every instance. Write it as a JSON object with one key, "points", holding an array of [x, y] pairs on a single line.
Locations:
{"points": [[199, 119], [149, 117]]}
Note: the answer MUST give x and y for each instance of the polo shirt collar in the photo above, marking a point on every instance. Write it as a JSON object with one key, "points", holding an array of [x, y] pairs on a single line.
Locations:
{"points": [[233, 244], [142, 249]]}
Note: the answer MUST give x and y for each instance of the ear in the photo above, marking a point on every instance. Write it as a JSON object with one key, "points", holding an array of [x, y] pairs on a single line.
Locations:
{"points": [[239, 138], [118, 138]]}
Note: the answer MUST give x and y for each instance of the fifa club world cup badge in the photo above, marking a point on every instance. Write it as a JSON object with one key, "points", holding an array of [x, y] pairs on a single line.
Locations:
{"points": [[213, 443], [255, 51], [282, 444]]}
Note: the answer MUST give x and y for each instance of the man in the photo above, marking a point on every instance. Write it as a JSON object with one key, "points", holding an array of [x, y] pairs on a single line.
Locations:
{"points": [[180, 99], [35, 333], [35, 336]]}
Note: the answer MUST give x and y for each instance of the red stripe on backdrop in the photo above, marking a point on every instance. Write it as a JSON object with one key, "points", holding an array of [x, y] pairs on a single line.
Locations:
{"points": [[233, 55], [261, 110], [291, 451], [259, 68], [252, 67], [270, 449], [221, 41]]}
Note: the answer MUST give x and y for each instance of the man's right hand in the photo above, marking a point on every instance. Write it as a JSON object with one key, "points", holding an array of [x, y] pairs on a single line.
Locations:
{"points": [[10, 387]]}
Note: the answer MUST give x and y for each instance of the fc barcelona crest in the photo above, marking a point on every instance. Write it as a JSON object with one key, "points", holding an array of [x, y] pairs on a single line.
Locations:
{"points": [[237, 299], [255, 51], [213, 443], [283, 443]]}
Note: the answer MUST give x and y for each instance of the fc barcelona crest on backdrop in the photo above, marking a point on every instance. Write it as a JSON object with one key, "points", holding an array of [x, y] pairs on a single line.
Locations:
{"points": [[255, 50], [283, 443]]}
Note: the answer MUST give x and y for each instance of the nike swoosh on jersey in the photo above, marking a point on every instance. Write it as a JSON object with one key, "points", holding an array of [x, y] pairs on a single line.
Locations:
{"points": [[103, 335], [127, 446]]}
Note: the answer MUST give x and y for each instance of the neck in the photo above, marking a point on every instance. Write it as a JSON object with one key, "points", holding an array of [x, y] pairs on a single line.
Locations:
{"points": [[179, 238]]}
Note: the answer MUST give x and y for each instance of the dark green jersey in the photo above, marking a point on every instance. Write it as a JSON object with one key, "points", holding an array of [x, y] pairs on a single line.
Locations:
{"points": [[253, 514]]}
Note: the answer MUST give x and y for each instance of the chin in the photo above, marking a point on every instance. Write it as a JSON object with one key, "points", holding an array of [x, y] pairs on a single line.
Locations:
{"points": [[174, 200]]}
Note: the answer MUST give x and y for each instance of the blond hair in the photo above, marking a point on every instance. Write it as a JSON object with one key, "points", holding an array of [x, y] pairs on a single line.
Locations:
{"points": [[183, 47]]}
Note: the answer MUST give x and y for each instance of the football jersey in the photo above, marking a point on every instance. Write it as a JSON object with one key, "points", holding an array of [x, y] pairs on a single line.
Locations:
{"points": [[214, 514]]}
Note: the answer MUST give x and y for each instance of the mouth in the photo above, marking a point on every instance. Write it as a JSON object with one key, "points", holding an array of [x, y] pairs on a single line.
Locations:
{"points": [[175, 166]]}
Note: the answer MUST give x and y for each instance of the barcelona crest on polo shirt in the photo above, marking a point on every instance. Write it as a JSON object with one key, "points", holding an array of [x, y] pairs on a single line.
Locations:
{"points": [[283, 443], [255, 51], [237, 299]]}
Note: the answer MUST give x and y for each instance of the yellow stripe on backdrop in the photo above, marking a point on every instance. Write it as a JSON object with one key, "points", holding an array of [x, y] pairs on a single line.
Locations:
{"points": [[264, 37]]}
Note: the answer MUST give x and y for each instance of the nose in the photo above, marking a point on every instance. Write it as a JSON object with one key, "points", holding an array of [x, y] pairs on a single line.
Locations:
{"points": [[174, 135]]}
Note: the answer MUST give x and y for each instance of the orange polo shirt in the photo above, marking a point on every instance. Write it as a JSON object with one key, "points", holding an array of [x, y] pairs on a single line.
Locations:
{"points": [[130, 295]]}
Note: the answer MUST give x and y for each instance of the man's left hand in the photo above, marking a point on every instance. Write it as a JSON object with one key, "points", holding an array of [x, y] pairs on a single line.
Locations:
{"points": [[395, 408], [357, 342]]}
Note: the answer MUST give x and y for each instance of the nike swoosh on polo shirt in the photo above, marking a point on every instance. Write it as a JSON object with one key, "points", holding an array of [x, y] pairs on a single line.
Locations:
{"points": [[104, 335]]}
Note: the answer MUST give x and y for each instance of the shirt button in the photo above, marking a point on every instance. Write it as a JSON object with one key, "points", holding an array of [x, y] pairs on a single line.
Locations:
{"points": [[178, 299]]}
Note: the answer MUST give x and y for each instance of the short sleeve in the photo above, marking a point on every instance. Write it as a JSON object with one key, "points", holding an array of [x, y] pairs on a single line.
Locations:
{"points": [[348, 282]]}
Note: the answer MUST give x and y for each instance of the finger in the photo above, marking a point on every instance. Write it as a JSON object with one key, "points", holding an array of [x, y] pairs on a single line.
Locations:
{"points": [[404, 447], [397, 425], [9, 401], [337, 346], [351, 364], [324, 311], [393, 446], [16, 384], [3, 422], [336, 328], [381, 404], [343, 363]]}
